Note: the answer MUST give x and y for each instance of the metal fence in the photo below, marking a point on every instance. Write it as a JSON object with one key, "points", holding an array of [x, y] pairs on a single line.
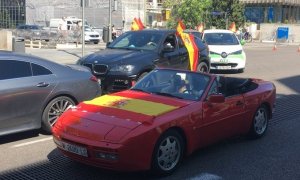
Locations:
{"points": [[12, 13]]}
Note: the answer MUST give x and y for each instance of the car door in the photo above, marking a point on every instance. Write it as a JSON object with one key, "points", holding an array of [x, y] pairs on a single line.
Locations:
{"points": [[22, 94], [183, 55], [221, 120]]}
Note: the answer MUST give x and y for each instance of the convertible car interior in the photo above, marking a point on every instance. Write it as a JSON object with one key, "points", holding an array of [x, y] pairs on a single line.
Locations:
{"points": [[230, 86]]}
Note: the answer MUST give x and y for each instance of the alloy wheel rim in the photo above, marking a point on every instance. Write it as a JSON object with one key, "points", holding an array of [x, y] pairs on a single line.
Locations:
{"points": [[169, 153], [57, 109], [260, 121]]}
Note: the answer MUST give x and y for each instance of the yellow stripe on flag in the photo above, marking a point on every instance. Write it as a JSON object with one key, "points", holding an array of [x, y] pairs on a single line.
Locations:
{"points": [[133, 105], [190, 48]]}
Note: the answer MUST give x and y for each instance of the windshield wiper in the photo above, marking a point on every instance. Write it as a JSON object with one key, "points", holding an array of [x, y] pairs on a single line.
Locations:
{"points": [[167, 94]]}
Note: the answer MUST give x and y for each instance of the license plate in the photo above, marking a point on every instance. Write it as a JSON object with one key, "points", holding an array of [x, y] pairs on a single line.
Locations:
{"points": [[82, 151], [223, 67]]}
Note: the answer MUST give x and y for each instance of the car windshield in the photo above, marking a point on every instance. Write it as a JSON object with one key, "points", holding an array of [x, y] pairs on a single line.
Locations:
{"points": [[137, 40], [173, 83], [220, 39]]}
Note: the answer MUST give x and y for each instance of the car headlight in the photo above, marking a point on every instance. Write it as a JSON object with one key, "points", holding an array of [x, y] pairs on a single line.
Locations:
{"points": [[237, 52], [124, 68]]}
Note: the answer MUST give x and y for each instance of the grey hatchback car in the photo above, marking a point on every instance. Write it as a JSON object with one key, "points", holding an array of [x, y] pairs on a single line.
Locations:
{"points": [[34, 92]]}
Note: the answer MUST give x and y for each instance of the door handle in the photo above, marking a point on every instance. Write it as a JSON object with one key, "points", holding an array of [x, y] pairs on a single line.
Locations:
{"points": [[239, 103], [42, 84]]}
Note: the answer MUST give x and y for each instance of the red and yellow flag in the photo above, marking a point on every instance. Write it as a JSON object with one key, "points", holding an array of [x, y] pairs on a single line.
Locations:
{"points": [[180, 27], [232, 27], [189, 43], [137, 24]]}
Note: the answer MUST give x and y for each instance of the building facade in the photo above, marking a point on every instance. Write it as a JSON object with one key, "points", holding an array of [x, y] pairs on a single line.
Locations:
{"points": [[12, 13], [272, 11]]}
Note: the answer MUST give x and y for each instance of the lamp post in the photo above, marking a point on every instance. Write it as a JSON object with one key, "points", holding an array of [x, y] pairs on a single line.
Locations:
{"points": [[82, 29]]}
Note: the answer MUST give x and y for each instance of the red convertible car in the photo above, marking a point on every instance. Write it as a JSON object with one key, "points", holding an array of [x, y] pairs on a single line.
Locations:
{"points": [[167, 115]]}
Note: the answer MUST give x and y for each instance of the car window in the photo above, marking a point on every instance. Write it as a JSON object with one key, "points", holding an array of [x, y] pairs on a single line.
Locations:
{"points": [[38, 70], [213, 89], [137, 40], [220, 39], [170, 41], [10, 69]]}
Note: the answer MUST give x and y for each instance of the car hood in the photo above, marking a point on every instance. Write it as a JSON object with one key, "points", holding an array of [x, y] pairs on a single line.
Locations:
{"points": [[224, 48], [111, 56], [111, 117]]}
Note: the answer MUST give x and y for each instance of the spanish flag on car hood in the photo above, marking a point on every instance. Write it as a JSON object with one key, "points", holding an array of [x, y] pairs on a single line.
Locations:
{"points": [[134, 106]]}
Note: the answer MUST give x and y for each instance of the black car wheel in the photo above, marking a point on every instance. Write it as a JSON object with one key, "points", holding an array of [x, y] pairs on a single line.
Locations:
{"points": [[53, 110], [259, 123], [168, 153], [203, 67]]}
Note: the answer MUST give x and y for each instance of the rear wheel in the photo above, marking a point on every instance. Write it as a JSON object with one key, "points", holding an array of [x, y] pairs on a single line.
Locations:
{"points": [[168, 153], [53, 111], [259, 123], [203, 67]]}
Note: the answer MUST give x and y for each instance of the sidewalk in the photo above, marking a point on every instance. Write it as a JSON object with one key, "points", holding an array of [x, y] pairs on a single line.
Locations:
{"points": [[64, 55]]}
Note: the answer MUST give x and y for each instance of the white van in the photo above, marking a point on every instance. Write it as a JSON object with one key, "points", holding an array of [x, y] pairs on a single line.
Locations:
{"points": [[71, 22]]}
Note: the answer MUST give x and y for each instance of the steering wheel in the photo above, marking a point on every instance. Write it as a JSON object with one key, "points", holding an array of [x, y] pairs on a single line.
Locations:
{"points": [[152, 44], [187, 91]]}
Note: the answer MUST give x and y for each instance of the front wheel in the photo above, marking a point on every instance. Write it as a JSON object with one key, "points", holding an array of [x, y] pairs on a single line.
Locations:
{"points": [[53, 111], [168, 153], [259, 123], [203, 67]]}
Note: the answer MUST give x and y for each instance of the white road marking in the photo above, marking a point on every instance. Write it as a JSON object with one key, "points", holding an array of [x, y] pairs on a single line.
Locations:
{"points": [[32, 142]]}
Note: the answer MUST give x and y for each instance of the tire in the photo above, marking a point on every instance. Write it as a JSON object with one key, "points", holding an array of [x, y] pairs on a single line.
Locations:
{"points": [[260, 123], [168, 153], [96, 42], [53, 110], [203, 67], [241, 70]]}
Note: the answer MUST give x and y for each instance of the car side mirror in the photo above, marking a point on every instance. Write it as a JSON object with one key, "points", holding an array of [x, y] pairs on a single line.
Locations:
{"points": [[216, 98], [243, 42]]}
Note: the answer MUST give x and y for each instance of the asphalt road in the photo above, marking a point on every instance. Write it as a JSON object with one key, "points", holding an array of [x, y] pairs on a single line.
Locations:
{"points": [[33, 155]]}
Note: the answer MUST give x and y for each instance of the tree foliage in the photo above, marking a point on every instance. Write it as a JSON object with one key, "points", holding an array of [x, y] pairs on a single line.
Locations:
{"points": [[232, 11], [193, 12]]}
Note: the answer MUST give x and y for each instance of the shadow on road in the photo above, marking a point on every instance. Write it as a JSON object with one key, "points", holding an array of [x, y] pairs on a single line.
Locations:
{"points": [[19, 136]]}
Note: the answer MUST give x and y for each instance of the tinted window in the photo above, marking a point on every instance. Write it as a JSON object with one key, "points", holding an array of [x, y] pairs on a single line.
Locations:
{"points": [[140, 40], [220, 39], [38, 70], [10, 69]]}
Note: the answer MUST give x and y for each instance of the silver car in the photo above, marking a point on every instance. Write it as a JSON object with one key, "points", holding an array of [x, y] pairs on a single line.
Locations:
{"points": [[34, 92]]}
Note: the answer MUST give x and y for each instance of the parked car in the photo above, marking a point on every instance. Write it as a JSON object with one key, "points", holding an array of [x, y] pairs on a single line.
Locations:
{"points": [[225, 50], [166, 115], [34, 32], [34, 92], [135, 53], [91, 36]]}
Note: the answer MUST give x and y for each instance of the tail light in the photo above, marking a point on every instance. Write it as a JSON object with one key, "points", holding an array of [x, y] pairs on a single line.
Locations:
{"points": [[94, 78]]}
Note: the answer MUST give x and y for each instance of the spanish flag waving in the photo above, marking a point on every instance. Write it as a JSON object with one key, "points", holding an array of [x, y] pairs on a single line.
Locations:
{"points": [[189, 43], [137, 24]]}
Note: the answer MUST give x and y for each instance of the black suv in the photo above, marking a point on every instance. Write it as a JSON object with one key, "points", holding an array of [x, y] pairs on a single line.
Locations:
{"points": [[135, 53]]}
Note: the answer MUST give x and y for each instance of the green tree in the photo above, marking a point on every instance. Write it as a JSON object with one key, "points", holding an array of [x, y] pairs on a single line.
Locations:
{"points": [[192, 12], [231, 11]]}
